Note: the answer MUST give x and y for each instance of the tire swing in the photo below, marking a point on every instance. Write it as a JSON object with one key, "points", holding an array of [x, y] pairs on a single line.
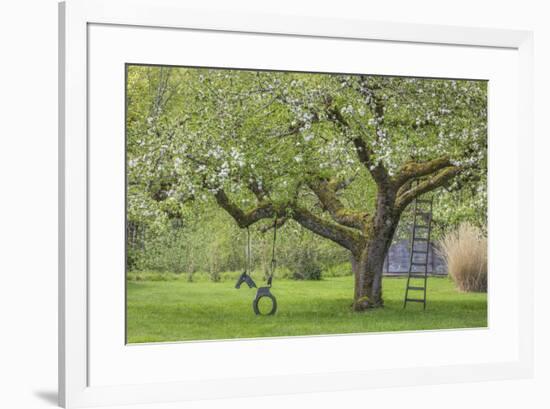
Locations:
{"points": [[262, 292]]}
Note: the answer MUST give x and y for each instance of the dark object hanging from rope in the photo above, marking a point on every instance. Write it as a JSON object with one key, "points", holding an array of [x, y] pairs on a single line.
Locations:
{"points": [[263, 292]]}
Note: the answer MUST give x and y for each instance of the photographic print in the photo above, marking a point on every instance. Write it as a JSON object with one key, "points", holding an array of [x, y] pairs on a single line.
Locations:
{"points": [[272, 203]]}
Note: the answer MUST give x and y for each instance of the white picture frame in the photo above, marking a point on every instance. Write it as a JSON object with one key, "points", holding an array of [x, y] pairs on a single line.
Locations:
{"points": [[75, 388]]}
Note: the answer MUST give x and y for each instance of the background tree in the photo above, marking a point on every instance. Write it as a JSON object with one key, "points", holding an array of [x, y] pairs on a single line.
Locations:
{"points": [[341, 155]]}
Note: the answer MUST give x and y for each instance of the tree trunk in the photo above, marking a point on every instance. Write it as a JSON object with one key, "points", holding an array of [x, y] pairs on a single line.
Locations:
{"points": [[368, 267], [367, 272]]}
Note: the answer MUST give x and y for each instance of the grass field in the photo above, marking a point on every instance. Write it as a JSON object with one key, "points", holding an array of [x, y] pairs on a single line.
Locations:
{"points": [[161, 311]]}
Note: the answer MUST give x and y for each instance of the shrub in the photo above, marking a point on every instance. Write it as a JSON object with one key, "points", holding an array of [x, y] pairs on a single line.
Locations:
{"points": [[338, 270], [465, 251], [307, 267]]}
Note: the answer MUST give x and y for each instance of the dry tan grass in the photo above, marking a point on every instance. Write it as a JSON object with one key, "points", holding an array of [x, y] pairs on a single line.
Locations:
{"points": [[465, 251]]}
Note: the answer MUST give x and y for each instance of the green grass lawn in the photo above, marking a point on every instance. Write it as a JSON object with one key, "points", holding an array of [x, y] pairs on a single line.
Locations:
{"points": [[161, 311]]}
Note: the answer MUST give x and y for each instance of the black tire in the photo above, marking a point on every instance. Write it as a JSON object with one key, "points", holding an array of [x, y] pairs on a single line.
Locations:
{"points": [[273, 304]]}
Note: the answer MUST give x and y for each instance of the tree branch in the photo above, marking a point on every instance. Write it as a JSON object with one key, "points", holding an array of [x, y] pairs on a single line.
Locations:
{"points": [[280, 222], [325, 190], [257, 189], [378, 171], [244, 219], [344, 183], [405, 196], [414, 170], [364, 153], [338, 234]]}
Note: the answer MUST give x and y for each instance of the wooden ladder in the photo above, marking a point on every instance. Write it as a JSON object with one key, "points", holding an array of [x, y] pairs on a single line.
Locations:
{"points": [[420, 248]]}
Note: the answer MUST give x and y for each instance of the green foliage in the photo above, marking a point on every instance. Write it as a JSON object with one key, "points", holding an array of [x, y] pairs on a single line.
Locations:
{"points": [[194, 131], [307, 267]]}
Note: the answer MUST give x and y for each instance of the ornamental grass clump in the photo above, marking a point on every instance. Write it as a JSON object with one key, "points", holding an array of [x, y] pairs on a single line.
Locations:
{"points": [[465, 251]]}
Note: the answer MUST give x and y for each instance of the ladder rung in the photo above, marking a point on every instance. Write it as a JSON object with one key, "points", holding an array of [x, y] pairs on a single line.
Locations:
{"points": [[414, 263], [420, 251], [414, 300], [417, 288], [421, 226], [417, 276], [420, 239], [423, 201]]}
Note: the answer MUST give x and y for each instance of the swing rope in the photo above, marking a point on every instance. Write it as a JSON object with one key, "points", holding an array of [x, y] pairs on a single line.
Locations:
{"points": [[247, 263], [273, 260]]}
